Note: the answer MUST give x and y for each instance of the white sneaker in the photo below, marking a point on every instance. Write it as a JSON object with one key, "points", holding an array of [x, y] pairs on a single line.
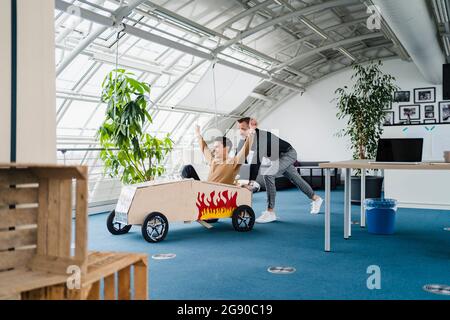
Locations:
{"points": [[266, 217], [316, 205]]}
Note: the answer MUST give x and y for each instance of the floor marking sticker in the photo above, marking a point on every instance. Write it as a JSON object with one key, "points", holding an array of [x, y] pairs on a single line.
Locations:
{"points": [[441, 289], [281, 270], [164, 256]]}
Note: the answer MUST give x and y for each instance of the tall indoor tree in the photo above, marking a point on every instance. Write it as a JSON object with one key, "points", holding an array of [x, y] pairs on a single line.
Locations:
{"points": [[128, 152], [363, 105], [363, 108]]}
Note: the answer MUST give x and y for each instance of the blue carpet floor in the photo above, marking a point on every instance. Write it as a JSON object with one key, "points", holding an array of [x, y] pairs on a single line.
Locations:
{"points": [[223, 264]]}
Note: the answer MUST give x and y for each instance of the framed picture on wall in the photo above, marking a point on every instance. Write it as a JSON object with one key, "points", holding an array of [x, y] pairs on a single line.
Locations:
{"points": [[425, 95], [402, 96], [409, 113], [388, 106], [388, 118], [429, 112], [444, 112]]}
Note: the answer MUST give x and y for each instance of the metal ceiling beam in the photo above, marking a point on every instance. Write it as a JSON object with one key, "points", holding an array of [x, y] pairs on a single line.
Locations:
{"points": [[187, 22], [243, 15], [330, 29], [315, 65], [119, 14], [269, 23], [328, 47], [180, 47]]}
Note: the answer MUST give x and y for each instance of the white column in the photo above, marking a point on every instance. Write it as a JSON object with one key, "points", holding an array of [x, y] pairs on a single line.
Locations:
{"points": [[36, 102], [5, 80]]}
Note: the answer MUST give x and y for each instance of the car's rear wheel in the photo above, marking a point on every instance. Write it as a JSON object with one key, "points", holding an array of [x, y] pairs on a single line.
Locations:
{"points": [[243, 218], [155, 227], [115, 227]]}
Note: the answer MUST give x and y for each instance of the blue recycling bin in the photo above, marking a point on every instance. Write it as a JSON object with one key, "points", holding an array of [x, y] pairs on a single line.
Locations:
{"points": [[380, 215]]}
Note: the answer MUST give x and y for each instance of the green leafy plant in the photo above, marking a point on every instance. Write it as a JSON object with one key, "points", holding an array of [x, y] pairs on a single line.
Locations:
{"points": [[363, 107], [128, 152]]}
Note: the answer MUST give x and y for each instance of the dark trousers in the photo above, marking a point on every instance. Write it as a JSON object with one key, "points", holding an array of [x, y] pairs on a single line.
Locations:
{"points": [[189, 172]]}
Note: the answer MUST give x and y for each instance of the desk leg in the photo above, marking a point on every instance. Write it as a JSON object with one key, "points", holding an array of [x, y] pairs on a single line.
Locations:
{"points": [[363, 198], [327, 210], [347, 203]]}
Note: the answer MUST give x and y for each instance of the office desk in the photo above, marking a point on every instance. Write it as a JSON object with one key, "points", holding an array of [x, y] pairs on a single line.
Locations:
{"points": [[364, 165]]}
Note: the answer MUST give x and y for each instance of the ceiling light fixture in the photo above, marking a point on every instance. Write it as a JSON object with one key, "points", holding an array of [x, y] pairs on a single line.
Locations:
{"points": [[314, 28], [347, 54]]}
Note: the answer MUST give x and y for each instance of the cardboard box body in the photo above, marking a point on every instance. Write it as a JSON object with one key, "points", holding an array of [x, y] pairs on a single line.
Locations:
{"points": [[182, 201]]}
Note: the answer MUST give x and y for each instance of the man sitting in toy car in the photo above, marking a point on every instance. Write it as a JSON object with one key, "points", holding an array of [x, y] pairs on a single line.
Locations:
{"points": [[222, 167]]}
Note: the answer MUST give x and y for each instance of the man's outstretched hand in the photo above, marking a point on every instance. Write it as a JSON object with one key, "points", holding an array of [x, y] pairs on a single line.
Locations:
{"points": [[197, 130]]}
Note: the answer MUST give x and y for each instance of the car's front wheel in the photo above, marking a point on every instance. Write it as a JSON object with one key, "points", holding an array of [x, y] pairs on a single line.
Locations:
{"points": [[155, 227], [115, 227]]}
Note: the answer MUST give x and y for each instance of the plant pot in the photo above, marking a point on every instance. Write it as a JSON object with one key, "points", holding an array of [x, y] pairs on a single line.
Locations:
{"points": [[374, 186]]}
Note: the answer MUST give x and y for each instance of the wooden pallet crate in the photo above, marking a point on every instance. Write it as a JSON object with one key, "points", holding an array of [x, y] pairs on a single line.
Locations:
{"points": [[37, 245], [108, 277]]}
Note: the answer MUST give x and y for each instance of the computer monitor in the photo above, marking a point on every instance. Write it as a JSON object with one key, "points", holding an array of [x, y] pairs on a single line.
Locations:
{"points": [[400, 150]]}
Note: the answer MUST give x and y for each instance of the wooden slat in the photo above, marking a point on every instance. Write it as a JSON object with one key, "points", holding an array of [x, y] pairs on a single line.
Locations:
{"points": [[17, 238], [56, 265], [13, 259], [110, 287], [74, 294], [124, 284], [60, 173], [100, 259], [65, 218], [17, 217], [140, 281], [114, 263], [9, 196], [81, 252], [21, 279], [42, 217], [16, 176], [35, 294], [53, 231], [55, 293], [94, 293], [10, 296]]}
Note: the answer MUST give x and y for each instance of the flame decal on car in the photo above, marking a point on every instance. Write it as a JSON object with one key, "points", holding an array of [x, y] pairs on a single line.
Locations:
{"points": [[215, 206]]}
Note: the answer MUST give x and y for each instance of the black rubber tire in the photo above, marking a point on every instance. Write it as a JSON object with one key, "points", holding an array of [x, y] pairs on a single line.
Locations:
{"points": [[161, 236], [241, 225], [111, 225], [212, 221]]}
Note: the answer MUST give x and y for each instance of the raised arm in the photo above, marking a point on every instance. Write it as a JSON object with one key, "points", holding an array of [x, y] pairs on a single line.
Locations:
{"points": [[203, 146], [245, 150]]}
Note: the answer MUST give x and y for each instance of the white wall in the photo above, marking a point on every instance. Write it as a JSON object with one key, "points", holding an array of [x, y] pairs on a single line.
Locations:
{"points": [[309, 123], [36, 111], [36, 114], [5, 80]]}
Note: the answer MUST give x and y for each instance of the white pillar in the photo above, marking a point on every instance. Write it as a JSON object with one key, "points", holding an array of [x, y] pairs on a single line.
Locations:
{"points": [[5, 80], [36, 93]]}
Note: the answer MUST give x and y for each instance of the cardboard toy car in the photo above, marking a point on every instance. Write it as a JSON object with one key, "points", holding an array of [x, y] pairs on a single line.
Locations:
{"points": [[154, 205]]}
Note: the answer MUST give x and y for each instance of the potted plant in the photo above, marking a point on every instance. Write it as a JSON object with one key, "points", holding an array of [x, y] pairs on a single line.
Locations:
{"points": [[362, 106], [128, 152]]}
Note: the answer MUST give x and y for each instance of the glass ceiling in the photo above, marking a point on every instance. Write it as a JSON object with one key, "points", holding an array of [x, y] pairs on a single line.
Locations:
{"points": [[86, 52]]}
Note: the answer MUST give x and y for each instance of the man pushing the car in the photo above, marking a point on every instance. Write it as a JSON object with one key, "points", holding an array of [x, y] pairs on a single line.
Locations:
{"points": [[222, 167]]}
